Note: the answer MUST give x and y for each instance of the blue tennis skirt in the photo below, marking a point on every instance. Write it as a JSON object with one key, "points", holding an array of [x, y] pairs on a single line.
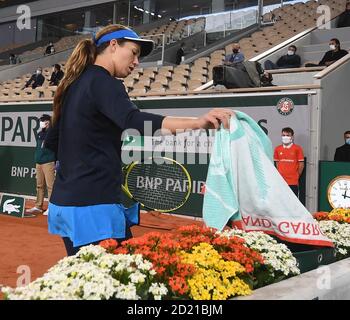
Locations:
{"points": [[87, 224]]}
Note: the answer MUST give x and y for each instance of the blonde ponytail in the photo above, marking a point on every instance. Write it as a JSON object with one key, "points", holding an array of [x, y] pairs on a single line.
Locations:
{"points": [[84, 54]]}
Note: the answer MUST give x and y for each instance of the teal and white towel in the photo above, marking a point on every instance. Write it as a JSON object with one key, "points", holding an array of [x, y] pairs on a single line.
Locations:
{"points": [[243, 185]]}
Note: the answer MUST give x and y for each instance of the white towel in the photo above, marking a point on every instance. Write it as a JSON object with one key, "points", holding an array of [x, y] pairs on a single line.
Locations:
{"points": [[243, 185]]}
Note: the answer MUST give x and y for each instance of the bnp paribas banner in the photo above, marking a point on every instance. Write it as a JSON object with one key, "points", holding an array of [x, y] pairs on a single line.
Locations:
{"points": [[19, 124]]}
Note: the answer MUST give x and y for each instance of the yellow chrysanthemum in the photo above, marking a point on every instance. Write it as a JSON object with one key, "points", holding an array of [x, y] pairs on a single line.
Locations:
{"points": [[345, 213], [215, 278]]}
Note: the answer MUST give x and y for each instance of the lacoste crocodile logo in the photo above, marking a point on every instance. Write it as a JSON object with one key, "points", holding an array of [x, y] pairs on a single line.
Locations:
{"points": [[9, 207]]}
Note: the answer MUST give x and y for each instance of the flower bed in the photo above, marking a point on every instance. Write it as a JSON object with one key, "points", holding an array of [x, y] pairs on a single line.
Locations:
{"points": [[336, 226], [193, 263], [340, 215], [94, 274], [279, 261], [339, 233]]}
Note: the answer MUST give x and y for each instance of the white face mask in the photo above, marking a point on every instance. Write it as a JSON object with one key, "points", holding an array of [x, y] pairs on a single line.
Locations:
{"points": [[290, 52], [332, 47], [38, 71], [42, 124], [286, 140]]}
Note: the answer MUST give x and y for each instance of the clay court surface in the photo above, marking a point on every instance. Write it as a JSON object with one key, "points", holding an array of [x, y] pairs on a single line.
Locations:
{"points": [[26, 242]]}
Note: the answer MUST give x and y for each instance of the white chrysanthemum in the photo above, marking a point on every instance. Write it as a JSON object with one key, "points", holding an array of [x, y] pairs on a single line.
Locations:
{"points": [[127, 292], [143, 264], [137, 277], [339, 233], [107, 261], [158, 290], [152, 272], [276, 255], [87, 282], [92, 274], [91, 251]]}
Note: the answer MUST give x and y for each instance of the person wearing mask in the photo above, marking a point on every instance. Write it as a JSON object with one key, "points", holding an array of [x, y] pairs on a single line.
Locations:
{"points": [[56, 76], [36, 80], [290, 60], [235, 57], [266, 79], [180, 53], [13, 59], [343, 153], [45, 166], [289, 159], [91, 111], [344, 18], [335, 53], [50, 49]]}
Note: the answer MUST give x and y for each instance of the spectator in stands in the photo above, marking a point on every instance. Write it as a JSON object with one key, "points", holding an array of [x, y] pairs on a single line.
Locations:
{"points": [[13, 59], [56, 75], [235, 57], [266, 79], [330, 56], [91, 112], [50, 49], [36, 80], [45, 166], [180, 53], [289, 159], [334, 54], [343, 153], [344, 18], [289, 60], [273, 17]]}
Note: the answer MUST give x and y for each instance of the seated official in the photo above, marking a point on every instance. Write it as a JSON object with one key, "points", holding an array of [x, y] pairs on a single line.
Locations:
{"points": [[36, 80], [50, 49], [235, 57], [332, 55], [289, 60], [56, 75]]}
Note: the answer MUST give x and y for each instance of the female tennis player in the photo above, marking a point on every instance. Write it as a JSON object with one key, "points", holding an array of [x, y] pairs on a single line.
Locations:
{"points": [[91, 110]]}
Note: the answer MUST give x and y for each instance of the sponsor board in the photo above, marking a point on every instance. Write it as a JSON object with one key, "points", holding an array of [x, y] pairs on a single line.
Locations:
{"points": [[12, 206], [19, 124]]}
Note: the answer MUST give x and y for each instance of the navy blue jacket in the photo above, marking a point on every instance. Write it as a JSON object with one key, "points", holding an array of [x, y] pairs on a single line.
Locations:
{"points": [[87, 138], [42, 154]]}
